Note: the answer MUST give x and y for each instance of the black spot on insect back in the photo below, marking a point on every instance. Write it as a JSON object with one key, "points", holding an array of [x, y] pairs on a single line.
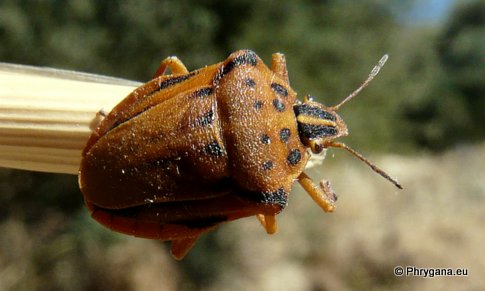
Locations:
{"points": [[278, 104], [278, 197], [258, 104], [285, 134], [279, 89], [294, 157], [203, 92], [250, 82], [248, 58], [174, 80], [214, 149], [205, 119], [268, 165], [265, 139]]}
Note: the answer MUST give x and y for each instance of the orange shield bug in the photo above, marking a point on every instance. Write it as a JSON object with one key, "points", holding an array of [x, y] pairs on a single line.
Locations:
{"points": [[188, 151]]}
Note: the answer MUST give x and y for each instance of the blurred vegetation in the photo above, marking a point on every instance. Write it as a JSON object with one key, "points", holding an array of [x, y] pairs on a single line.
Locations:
{"points": [[450, 110], [429, 97]]}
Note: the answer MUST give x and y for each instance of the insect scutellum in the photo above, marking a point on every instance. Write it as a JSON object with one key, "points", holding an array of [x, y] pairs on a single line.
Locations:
{"points": [[319, 125]]}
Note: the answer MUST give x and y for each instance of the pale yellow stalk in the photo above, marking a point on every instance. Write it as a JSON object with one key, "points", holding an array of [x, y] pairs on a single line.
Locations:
{"points": [[46, 115]]}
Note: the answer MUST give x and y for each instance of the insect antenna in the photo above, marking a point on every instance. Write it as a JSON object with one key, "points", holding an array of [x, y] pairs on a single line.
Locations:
{"points": [[372, 74], [363, 159]]}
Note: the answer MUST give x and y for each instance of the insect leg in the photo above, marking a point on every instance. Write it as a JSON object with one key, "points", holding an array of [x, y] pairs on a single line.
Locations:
{"points": [[268, 222], [100, 116], [323, 195], [278, 66], [174, 64], [180, 247]]}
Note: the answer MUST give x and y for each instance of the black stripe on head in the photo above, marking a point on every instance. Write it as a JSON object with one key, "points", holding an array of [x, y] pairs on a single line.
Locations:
{"points": [[306, 109], [312, 131]]}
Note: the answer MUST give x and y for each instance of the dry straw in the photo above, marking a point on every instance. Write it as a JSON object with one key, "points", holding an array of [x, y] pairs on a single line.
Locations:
{"points": [[46, 115]]}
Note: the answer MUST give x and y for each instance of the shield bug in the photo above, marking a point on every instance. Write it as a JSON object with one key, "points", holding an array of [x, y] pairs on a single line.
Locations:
{"points": [[188, 151]]}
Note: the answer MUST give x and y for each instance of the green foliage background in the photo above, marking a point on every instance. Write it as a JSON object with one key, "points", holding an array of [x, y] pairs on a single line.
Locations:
{"points": [[429, 97]]}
